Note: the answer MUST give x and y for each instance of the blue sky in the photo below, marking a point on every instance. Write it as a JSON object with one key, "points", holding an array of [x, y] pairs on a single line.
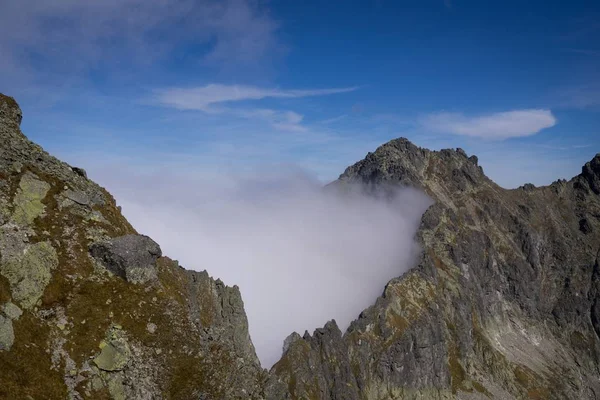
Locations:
{"points": [[212, 85]]}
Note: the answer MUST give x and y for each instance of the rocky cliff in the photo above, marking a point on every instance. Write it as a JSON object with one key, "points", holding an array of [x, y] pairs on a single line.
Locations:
{"points": [[503, 303], [90, 309]]}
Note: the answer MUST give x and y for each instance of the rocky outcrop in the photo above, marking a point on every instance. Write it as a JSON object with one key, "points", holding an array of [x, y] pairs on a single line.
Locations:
{"points": [[90, 309], [503, 303], [132, 257]]}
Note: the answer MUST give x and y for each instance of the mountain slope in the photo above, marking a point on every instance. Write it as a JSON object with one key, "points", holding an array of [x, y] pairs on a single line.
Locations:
{"points": [[503, 303], [90, 309]]}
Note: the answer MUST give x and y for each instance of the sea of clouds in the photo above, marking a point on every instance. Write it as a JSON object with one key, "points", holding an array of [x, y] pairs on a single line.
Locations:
{"points": [[301, 254]]}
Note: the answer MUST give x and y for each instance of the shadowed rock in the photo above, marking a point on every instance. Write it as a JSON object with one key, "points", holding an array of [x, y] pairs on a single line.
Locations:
{"points": [[132, 257]]}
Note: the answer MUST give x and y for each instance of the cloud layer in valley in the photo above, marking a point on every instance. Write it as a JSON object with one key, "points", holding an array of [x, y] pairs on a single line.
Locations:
{"points": [[300, 254]]}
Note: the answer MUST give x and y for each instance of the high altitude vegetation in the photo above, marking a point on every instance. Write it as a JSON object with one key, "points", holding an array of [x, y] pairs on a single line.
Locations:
{"points": [[503, 301]]}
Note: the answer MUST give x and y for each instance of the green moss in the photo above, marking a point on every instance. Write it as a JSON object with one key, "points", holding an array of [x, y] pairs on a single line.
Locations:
{"points": [[481, 389], [521, 376], [579, 341], [457, 372], [532, 383], [93, 301], [5, 295], [26, 368], [398, 322], [298, 352], [192, 376]]}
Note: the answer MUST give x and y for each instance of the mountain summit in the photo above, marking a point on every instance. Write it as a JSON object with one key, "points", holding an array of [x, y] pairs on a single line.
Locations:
{"points": [[503, 303]]}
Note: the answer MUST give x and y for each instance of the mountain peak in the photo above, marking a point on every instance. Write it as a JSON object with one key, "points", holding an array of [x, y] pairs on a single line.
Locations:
{"points": [[10, 112], [591, 172], [401, 161]]}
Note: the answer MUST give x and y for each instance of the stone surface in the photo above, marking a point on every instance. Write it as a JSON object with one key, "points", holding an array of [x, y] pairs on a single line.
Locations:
{"points": [[28, 200], [51, 215], [11, 311], [132, 257], [115, 352], [30, 274], [503, 303]]}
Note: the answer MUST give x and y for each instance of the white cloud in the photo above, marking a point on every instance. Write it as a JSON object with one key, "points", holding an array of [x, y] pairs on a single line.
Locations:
{"points": [[300, 255], [202, 98], [334, 119], [500, 125], [69, 35], [217, 98]]}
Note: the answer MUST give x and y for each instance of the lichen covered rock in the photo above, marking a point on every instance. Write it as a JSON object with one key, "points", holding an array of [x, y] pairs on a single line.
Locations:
{"points": [[28, 200], [503, 302], [74, 274], [11, 311], [30, 273], [115, 352]]}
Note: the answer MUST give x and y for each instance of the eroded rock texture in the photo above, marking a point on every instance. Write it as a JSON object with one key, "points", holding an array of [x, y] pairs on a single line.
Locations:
{"points": [[90, 309], [503, 303]]}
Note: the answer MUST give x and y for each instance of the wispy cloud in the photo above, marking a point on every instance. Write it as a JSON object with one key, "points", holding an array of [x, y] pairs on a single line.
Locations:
{"points": [[334, 119], [69, 35], [501, 125], [218, 99], [586, 95], [202, 98]]}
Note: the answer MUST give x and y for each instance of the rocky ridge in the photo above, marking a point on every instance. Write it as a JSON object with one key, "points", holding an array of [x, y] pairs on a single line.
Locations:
{"points": [[90, 309], [503, 303]]}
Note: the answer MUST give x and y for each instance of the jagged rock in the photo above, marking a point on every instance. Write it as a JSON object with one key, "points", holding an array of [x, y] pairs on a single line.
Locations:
{"points": [[10, 112], [591, 172], [503, 302], [132, 257], [498, 305], [293, 337], [67, 311], [80, 171]]}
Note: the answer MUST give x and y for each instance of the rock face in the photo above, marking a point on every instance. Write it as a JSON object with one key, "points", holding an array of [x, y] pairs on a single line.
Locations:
{"points": [[503, 303], [132, 257], [79, 289]]}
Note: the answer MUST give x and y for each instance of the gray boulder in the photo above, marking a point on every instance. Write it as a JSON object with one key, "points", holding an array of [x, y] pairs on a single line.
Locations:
{"points": [[132, 257]]}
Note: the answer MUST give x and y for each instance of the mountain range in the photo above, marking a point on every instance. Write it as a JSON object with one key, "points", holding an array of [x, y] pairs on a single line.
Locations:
{"points": [[502, 303]]}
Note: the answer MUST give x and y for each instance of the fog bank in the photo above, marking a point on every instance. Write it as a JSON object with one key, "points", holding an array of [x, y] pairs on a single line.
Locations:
{"points": [[301, 255]]}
